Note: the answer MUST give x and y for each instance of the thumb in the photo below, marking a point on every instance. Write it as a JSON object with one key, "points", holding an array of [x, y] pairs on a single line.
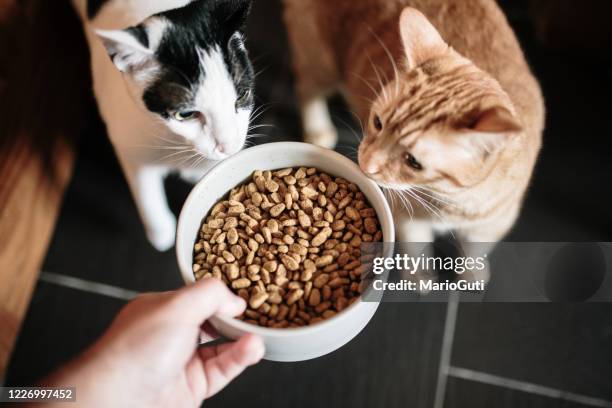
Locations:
{"points": [[205, 298]]}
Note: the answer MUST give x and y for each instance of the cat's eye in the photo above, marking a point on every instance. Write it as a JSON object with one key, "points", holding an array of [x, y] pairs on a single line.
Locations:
{"points": [[377, 123], [413, 162], [185, 115], [243, 99]]}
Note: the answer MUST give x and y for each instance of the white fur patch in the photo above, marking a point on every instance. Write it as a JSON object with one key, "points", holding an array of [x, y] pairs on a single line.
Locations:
{"points": [[156, 27]]}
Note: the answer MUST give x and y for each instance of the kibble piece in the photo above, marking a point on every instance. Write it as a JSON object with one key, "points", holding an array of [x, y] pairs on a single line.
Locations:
{"points": [[275, 298], [258, 299], [370, 225], [321, 280], [328, 313], [267, 234], [315, 297], [324, 260], [304, 219], [290, 263], [271, 186], [337, 282], [352, 213], [294, 296], [215, 223], [232, 271], [241, 283], [319, 239], [277, 209], [306, 275], [232, 236]]}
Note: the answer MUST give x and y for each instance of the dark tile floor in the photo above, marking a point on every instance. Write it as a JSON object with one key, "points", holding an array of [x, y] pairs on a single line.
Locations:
{"points": [[463, 393], [395, 361], [562, 346]]}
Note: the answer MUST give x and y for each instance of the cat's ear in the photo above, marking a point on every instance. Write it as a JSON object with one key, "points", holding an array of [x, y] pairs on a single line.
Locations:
{"points": [[420, 38], [490, 129], [232, 15], [496, 119], [128, 49]]}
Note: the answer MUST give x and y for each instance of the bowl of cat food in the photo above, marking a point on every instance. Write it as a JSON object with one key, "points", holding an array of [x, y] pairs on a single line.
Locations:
{"points": [[283, 226]]}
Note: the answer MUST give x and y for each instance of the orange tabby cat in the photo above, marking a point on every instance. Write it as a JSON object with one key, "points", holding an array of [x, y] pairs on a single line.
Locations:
{"points": [[452, 115]]}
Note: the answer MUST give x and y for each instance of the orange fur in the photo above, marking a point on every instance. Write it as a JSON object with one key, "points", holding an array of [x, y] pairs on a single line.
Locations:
{"points": [[450, 86]]}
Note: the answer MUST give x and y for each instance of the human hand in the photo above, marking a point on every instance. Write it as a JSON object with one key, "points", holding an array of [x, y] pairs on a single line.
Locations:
{"points": [[150, 356]]}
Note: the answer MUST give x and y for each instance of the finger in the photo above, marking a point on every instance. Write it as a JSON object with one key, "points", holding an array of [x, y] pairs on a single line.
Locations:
{"points": [[205, 298], [209, 352], [230, 360], [195, 378]]}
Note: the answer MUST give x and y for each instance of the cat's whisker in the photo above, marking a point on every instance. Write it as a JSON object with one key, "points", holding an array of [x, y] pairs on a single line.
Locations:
{"points": [[357, 118], [260, 126], [431, 194], [170, 141], [350, 128], [261, 71], [198, 161], [388, 196], [186, 160], [175, 154], [350, 151], [173, 157], [383, 89], [370, 101], [369, 85], [391, 59], [256, 114], [348, 147], [382, 74], [411, 212], [161, 147], [405, 202], [182, 74], [431, 208], [255, 135], [261, 108]]}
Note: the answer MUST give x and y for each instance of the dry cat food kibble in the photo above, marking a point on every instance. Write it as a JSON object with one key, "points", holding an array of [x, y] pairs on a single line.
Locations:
{"points": [[288, 242]]}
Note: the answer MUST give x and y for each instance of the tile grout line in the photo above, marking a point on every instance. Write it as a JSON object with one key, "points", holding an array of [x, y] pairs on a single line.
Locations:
{"points": [[527, 387], [446, 349], [88, 286]]}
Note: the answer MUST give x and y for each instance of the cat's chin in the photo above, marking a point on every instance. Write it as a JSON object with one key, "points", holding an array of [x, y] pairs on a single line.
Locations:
{"points": [[214, 156], [383, 184]]}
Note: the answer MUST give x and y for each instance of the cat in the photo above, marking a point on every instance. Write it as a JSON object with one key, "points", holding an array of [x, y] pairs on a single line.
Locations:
{"points": [[174, 86], [452, 116]]}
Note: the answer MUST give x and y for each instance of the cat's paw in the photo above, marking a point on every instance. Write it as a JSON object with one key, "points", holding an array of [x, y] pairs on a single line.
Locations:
{"points": [[325, 138], [162, 234]]}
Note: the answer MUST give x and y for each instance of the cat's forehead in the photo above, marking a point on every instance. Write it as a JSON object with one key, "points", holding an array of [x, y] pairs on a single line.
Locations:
{"points": [[179, 47], [190, 74], [426, 99]]}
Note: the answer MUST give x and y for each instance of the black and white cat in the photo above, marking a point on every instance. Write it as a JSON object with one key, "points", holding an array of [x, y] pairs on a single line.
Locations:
{"points": [[176, 93]]}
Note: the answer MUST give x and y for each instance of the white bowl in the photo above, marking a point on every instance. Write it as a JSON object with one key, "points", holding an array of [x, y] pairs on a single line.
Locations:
{"points": [[290, 344]]}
